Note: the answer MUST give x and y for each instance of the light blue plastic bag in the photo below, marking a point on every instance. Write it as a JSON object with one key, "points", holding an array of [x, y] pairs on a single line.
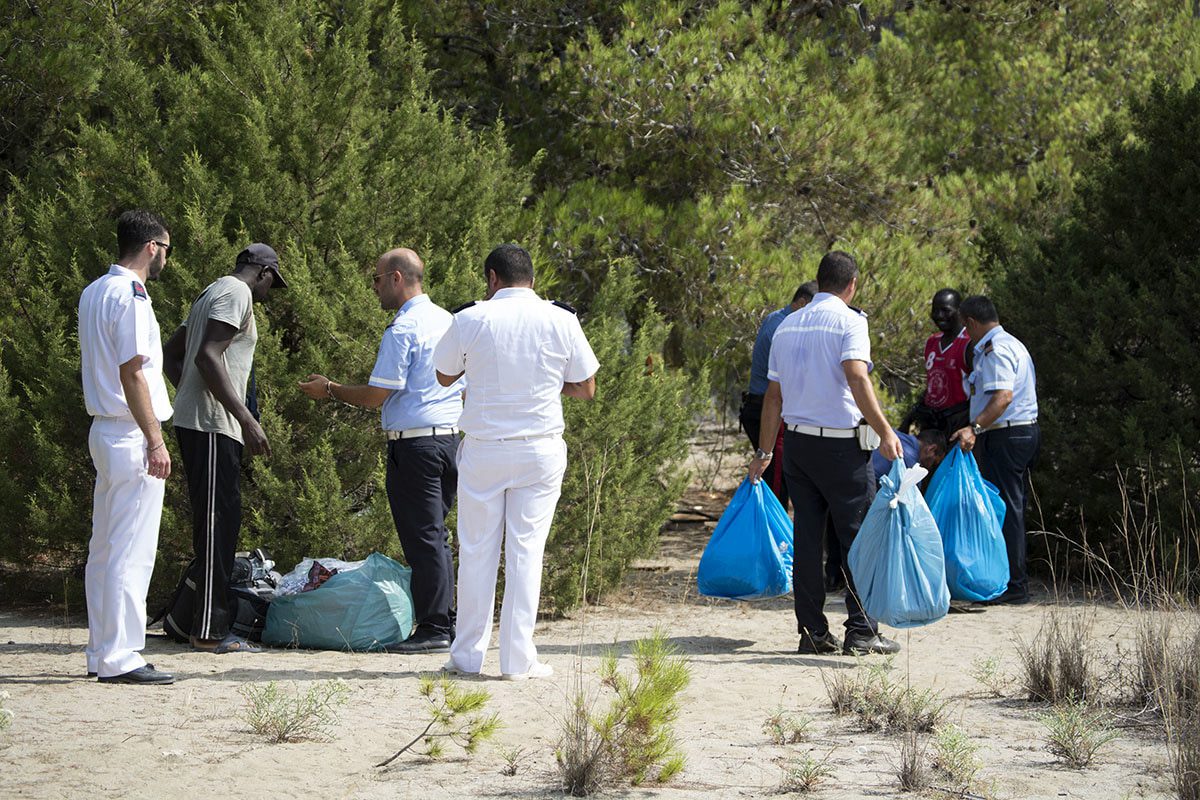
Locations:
{"points": [[896, 558], [969, 513], [749, 555], [364, 609]]}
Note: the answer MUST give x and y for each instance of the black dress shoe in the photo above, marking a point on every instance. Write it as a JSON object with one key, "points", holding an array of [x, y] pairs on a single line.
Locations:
{"points": [[819, 645], [859, 645], [422, 643], [145, 674], [91, 674], [1007, 599]]}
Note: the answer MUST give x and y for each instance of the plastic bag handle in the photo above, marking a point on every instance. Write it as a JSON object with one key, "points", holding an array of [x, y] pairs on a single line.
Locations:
{"points": [[912, 476]]}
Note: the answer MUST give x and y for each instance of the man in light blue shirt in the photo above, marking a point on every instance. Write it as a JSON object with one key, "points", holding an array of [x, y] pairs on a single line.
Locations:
{"points": [[420, 419], [751, 412], [1003, 432]]}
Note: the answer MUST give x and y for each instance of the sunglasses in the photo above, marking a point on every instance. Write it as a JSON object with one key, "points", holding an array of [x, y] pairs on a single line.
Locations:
{"points": [[162, 244]]}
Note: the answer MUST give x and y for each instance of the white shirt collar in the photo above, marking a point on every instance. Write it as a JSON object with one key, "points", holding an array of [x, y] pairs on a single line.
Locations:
{"points": [[514, 291]]}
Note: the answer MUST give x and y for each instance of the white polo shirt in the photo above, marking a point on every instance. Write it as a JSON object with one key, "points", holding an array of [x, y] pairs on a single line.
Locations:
{"points": [[116, 324], [517, 351], [806, 359]]}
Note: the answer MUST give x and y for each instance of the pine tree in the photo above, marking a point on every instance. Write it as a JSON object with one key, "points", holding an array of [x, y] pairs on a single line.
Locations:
{"points": [[1107, 305]]}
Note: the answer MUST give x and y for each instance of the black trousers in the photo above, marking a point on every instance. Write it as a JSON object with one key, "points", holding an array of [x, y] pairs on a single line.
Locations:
{"points": [[1006, 456], [422, 480], [827, 478], [750, 416], [212, 463]]}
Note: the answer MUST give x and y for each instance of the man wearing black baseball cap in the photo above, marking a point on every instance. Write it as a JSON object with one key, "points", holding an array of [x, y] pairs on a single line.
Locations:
{"points": [[263, 255], [210, 360]]}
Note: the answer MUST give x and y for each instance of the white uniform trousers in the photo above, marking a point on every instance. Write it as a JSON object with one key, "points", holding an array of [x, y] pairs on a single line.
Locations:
{"points": [[507, 492], [126, 510]]}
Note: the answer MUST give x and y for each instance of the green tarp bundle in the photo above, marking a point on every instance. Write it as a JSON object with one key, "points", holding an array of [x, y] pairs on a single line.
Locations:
{"points": [[364, 609]]}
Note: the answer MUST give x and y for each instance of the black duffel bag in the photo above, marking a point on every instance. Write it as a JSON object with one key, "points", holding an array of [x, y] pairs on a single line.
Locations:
{"points": [[251, 587]]}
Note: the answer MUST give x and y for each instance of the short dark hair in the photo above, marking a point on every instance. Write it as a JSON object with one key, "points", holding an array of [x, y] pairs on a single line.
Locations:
{"points": [[807, 289], [512, 265], [950, 294], [934, 437], [978, 308], [135, 228], [836, 271]]}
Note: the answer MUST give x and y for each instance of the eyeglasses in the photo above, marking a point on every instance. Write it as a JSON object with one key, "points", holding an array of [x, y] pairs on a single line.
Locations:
{"points": [[379, 275], [162, 244]]}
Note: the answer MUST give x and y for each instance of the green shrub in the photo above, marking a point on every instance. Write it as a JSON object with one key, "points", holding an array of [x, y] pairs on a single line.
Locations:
{"points": [[624, 448], [634, 740], [311, 127], [1058, 662], [1106, 305], [1075, 733], [282, 717], [804, 775]]}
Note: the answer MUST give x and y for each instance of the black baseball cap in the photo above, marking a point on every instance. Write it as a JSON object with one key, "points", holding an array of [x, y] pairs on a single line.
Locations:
{"points": [[263, 255]]}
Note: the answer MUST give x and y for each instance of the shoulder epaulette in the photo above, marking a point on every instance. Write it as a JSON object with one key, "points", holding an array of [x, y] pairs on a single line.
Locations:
{"points": [[464, 305], [139, 290], [858, 311], [987, 348], [564, 306]]}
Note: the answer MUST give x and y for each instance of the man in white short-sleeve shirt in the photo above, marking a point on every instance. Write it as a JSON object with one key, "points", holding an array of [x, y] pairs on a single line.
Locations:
{"points": [[520, 354], [420, 421], [819, 386], [122, 360], [210, 358]]}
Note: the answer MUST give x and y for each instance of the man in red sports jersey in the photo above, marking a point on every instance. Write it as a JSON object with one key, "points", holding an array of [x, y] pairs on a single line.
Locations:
{"points": [[944, 405]]}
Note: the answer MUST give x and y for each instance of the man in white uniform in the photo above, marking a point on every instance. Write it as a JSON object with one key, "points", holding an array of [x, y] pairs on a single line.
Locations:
{"points": [[123, 388], [520, 354]]}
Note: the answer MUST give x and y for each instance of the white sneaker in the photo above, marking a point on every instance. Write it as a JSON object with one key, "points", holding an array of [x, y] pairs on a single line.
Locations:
{"points": [[450, 668], [538, 670]]}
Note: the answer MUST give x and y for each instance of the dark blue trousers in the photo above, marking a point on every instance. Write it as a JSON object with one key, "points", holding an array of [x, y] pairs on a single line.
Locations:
{"points": [[826, 478], [1005, 456], [422, 480]]}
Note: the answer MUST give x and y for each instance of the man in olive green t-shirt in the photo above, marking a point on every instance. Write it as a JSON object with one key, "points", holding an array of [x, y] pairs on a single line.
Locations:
{"points": [[210, 358]]}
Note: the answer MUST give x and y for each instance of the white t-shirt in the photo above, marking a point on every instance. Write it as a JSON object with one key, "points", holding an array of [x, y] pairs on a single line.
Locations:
{"points": [[517, 351], [806, 359], [117, 324]]}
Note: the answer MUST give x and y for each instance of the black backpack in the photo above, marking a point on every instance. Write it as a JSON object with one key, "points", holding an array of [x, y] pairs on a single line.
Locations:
{"points": [[252, 585]]}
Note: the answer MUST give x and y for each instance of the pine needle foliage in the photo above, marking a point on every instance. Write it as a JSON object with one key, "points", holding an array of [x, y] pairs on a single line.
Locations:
{"points": [[634, 740], [455, 717]]}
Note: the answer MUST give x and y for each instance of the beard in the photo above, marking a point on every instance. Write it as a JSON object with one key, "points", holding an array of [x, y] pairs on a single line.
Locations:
{"points": [[156, 268]]}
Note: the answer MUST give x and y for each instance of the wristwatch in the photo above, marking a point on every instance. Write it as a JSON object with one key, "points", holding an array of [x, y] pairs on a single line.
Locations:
{"points": [[762, 455], [976, 428]]}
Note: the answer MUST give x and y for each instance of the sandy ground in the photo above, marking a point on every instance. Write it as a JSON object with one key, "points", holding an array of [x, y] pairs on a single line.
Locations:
{"points": [[72, 737]]}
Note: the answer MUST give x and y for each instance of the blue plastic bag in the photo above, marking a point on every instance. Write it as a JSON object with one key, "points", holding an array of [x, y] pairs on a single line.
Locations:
{"points": [[364, 609], [969, 513], [749, 555], [896, 559]]}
